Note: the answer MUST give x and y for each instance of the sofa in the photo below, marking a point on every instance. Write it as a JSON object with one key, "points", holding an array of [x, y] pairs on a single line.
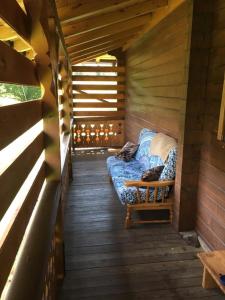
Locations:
{"points": [[142, 195]]}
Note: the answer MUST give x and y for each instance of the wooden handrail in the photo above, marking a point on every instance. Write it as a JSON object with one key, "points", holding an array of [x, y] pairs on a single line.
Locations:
{"points": [[136, 183]]}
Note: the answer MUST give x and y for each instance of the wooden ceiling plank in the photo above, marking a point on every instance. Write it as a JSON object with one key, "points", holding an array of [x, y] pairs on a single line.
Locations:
{"points": [[86, 9], [94, 45], [101, 48], [103, 40], [113, 18], [106, 31]]}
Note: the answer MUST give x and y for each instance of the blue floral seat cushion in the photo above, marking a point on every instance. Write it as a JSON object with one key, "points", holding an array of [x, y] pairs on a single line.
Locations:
{"points": [[120, 168], [121, 171]]}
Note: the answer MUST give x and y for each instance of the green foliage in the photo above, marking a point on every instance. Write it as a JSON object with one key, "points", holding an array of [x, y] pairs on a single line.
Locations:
{"points": [[19, 92]]}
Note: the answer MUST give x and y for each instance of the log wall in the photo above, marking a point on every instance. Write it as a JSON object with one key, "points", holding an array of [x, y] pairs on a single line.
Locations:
{"points": [[157, 77], [175, 76], [211, 182]]}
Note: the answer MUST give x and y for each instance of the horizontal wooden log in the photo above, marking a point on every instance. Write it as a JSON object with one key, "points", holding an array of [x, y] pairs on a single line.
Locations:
{"points": [[98, 78], [99, 113], [84, 93], [99, 96], [15, 234], [12, 179], [97, 118], [11, 64], [99, 105], [87, 57], [14, 120], [98, 69], [99, 87], [14, 16]]}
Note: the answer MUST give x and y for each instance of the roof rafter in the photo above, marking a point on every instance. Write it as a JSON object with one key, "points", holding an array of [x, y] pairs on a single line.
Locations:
{"points": [[107, 31], [86, 9], [104, 40], [105, 48], [113, 18], [96, 47], [96, 51]]}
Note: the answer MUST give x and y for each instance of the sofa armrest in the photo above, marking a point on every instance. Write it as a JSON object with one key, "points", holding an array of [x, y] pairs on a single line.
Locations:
{"points": [[114, 150], [151, 184], [139, 183]]}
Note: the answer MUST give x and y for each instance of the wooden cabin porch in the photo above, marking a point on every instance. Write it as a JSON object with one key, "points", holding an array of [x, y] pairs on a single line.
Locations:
{"points": [[91, 74], [103, 260]]}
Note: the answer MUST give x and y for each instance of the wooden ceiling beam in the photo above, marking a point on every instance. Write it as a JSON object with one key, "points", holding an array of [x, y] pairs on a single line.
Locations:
{"points": [[110, 46], [113, 18], [14, 16], [102, 41], [97, 46], [7, 33], [21, 46], [86, 9], [92, 55], [89, 58], [94, 35]]}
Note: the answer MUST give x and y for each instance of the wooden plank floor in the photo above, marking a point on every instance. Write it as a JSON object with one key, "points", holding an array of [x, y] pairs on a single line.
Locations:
{"points": [[105, 261]]}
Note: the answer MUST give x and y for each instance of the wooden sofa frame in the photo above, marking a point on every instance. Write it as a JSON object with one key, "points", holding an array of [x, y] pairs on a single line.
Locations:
{"points": [[164, 204]]}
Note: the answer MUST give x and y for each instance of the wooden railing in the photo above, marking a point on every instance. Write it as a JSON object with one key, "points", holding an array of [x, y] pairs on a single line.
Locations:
{"points": [[34, 151], [99, 104], [99, 134]]}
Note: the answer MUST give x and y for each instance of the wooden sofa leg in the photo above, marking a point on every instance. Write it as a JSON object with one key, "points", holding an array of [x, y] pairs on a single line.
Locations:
{"points": [[128, 218], [171, 215]]}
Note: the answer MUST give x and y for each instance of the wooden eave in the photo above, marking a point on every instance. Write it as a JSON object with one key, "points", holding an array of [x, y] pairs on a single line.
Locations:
{"points": [[92, 28]]}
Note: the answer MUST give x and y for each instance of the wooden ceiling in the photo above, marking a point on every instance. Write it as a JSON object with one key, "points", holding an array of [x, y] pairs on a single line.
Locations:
{"points": [[94, 27]]}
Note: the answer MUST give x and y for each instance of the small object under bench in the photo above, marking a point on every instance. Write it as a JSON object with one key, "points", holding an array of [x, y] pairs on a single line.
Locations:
{"points": [[214, 268]]}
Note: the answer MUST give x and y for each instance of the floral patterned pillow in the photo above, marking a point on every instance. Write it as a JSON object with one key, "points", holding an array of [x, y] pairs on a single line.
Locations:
{"points": [[152, 174], [127, 152]]}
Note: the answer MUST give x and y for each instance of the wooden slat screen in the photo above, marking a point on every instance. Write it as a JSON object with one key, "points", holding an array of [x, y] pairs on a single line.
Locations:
{"points": [[102, 90], [30, 177], [19, 115], [99, 100]]}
